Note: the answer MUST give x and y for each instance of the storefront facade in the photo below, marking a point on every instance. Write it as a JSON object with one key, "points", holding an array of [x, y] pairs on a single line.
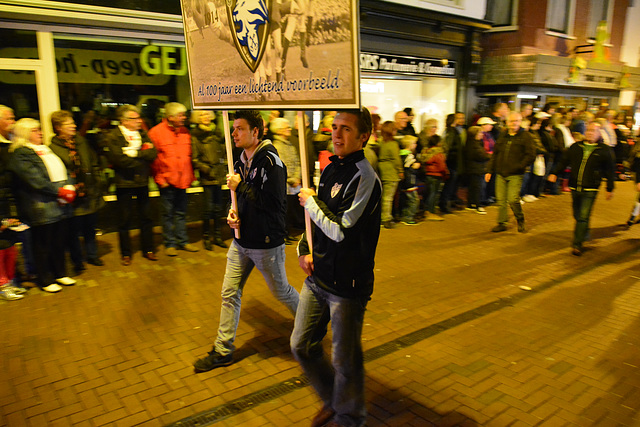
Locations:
{"points": [[540, 79], [418, 58]]}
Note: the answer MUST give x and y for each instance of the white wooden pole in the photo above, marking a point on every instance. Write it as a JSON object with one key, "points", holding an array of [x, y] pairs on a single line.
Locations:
{"points": [[304, 164], [229, 146]]}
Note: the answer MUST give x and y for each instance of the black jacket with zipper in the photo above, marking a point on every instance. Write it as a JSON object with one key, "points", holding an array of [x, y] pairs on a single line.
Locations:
{"points": [[262, 194], [586, 175], [346, 213]]}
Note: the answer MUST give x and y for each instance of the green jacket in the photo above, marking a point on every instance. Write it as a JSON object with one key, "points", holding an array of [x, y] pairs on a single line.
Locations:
{"points": [[389, 163]]}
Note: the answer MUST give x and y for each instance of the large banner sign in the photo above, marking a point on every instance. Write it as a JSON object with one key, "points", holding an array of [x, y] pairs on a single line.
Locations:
{"points": [[299, 54]]}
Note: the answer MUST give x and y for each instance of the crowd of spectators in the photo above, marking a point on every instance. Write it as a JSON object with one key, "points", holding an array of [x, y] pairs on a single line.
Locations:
{"points": [[52, 193], [461, 167]]}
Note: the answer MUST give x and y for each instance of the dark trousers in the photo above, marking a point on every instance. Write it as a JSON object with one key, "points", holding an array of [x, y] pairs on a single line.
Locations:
{"points": [[48, 252], [215, 201], [582, 205], [450, 190], [475, 190], [82, 226], [125, 207]]}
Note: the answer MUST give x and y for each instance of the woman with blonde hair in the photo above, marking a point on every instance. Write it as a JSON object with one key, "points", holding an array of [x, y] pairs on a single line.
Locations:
{"points": [[43, 195]]}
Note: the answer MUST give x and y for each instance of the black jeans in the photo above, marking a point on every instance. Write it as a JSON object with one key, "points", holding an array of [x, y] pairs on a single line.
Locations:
{"points": [[125, 206], [48, 251]]}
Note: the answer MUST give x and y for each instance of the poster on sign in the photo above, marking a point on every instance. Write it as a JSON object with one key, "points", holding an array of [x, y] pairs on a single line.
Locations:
{"points": [[299, 54]]}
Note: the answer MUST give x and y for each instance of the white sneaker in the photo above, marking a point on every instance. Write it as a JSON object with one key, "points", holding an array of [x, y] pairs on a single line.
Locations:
{"points": [[54, 287], [67, 281], [481, 210], [529, 198], [8, 293]]}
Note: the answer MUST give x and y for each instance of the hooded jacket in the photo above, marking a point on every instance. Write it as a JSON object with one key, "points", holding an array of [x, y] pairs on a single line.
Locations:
{"points": [[262, 204]]}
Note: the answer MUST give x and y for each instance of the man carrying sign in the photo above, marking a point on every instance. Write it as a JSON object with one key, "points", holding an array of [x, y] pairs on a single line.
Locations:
{"points": [[346, 212], [260, 185]]}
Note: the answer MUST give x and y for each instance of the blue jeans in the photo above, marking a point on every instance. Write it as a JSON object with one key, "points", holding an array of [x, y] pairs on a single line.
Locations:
{"points": [[410, 203], [174, 210], [582, 205], [339, 382], [433, 185], [508, 193], [240, 262]]}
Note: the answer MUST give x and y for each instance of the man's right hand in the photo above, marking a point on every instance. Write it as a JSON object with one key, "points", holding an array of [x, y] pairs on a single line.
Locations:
{"points": [[233, 220], [306, 264], [487, 177], [552, 178]]}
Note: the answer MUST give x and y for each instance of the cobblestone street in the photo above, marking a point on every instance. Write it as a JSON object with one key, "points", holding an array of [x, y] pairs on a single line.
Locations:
{"points": [[450, 337]]}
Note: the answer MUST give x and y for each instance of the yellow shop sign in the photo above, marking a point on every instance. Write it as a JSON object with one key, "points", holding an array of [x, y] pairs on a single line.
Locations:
{"points": [[153, 65]]}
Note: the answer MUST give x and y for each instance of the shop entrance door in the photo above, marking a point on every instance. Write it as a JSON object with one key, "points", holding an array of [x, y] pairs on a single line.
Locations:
{"points": [[30, 86]]}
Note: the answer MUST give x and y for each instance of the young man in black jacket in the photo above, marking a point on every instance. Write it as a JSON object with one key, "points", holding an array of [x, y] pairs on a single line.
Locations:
{"points": [[590, 161], [260, 184], [346, 213]]}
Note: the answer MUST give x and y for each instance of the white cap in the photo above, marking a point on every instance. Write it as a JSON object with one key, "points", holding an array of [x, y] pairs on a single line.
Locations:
{"points": [[542, 115], [486, 121]]}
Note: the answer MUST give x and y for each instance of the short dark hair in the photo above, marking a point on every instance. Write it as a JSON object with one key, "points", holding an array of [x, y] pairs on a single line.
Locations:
{"points": [[253, 118], [451, 119], [363, 119]]}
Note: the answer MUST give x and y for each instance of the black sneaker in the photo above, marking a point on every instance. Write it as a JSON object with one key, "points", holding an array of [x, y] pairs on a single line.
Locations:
{"points": [[212, 361]]}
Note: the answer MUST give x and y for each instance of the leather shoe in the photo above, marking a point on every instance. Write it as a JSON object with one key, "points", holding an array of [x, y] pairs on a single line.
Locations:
{"points": [[126, 260], [150, 256], [96, 261], [323, 417]]}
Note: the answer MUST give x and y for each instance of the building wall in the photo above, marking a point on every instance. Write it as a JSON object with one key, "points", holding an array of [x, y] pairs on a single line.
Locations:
{"points": [[630, 50], [531, 36], [467, 8]]}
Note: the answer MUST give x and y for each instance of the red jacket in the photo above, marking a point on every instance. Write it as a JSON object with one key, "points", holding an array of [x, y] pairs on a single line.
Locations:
{"points": [[173, 164]]}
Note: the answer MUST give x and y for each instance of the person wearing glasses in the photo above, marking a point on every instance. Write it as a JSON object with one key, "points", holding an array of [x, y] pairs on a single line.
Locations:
{"points": [[130, 153]]}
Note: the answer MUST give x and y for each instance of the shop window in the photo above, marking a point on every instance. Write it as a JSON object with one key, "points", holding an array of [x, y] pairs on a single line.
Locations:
{"points": [[430, 98], [95, 76], [502, 13], [18, 91], [16, 42], [560, 16], [600, 11]]}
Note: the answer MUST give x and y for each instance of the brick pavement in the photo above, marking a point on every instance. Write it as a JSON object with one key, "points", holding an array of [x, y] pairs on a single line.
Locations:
{"points": [[450, 338]]}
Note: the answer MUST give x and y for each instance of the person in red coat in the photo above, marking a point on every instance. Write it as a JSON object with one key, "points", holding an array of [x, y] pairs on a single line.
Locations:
{"points": [[173, 172]]}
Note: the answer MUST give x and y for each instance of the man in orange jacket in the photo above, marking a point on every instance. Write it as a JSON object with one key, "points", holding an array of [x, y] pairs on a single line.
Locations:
{"points": [[173, 173]]}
